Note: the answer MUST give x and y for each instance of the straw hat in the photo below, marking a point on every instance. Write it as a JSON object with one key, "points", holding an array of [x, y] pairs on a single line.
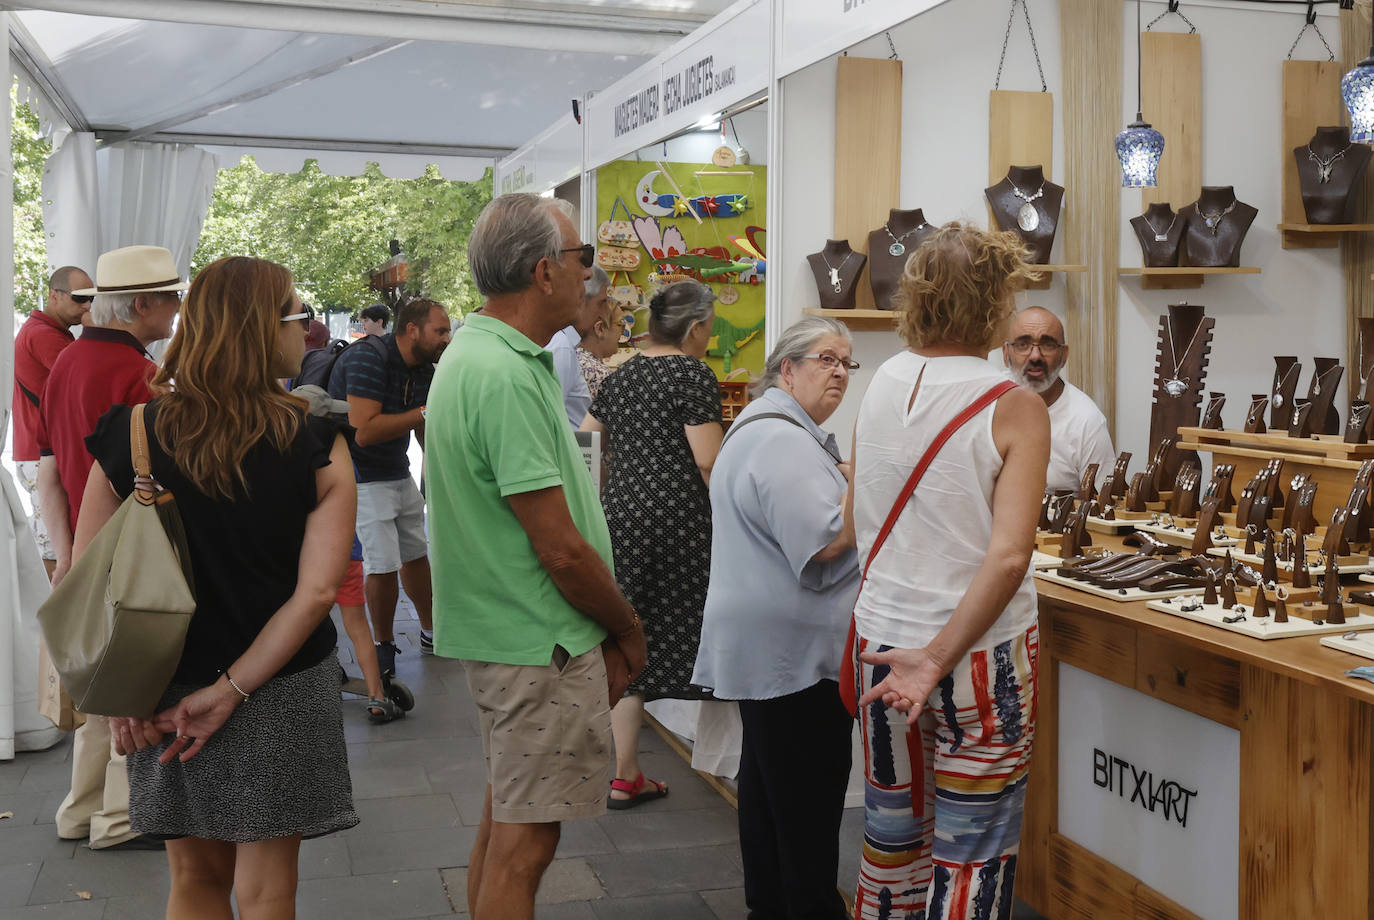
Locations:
{"points": [[135, 270]]}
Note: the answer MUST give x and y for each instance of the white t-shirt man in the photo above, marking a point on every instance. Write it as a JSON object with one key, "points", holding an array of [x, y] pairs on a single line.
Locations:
{"points": [[1078, 437]]}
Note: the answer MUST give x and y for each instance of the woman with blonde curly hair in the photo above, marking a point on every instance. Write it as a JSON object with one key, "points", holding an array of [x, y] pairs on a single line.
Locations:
{"points": [[949, 468], [246, 755]]}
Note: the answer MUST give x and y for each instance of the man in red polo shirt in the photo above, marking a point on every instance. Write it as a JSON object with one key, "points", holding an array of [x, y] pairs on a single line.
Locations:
{"points": [[36, 347], [137, 296]]}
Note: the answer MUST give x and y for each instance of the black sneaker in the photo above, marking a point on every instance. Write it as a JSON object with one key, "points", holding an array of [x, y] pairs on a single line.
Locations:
{"points": [[426, 643], [386, 658]]}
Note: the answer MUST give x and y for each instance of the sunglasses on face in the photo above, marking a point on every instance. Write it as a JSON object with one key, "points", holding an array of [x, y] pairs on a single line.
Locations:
{"points": [[588, 257], [76, 298], [304, 318]]}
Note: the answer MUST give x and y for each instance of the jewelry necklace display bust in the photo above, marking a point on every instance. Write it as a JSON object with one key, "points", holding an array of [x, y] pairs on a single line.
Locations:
{"points": [[1286, 370], [1177, 385], [1214, 220], [1324, 166], [1215, 227], [898, 248], [1159, 247], [1027, 218], [836, 269], [1160, 237], [1028, 204], [1329, 171], [889, 247]]}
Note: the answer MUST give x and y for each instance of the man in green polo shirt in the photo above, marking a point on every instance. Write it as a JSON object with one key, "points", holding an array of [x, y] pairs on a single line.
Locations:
{"points": [[523, 589]]}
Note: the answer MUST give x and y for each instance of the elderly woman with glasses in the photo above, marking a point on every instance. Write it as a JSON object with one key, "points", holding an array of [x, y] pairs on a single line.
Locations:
{"points": [[661, 416], [784, 574]]}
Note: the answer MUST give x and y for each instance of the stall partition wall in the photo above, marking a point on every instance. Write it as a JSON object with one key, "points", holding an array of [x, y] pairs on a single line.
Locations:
{"points": [[949, 58], [1357, 253]]}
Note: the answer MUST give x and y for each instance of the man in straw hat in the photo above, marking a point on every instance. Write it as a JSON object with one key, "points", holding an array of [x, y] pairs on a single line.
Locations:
{"points": [[137, 295]]}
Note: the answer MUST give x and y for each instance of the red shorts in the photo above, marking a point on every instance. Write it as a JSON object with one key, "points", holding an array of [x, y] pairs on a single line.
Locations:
{"points": [[350, 592]]}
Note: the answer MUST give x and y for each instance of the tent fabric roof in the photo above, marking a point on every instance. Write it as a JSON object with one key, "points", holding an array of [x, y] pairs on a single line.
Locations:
{"points": [[343, 98]]}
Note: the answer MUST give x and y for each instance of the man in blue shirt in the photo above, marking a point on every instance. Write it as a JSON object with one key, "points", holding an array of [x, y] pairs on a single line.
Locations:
{"points": [[386, 401]]}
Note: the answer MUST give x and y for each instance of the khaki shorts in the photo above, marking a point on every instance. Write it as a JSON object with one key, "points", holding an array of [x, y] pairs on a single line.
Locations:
{"points": [[546, 733]]}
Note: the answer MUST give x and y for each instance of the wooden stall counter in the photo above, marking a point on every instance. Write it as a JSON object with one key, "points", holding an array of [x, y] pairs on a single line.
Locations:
{"points": [[1183, 771]]}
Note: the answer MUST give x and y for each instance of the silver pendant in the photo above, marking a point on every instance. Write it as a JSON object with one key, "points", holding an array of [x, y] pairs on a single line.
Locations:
{"points": [[1324, 172], [1027, 218], [1278, 400], [1317, 388], [1175, 387], [1161, 237], [1212, 222], [1296, 413], [896, 249], [835, 279]]}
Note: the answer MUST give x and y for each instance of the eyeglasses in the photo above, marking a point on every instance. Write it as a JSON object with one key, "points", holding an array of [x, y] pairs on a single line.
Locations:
{"points": [[588, 257], [830, 362], [76, 298], [1048, 347], [304, 318]]}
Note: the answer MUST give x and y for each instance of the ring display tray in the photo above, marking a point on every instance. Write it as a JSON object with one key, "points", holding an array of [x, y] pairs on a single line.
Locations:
{"points": [[1114, 526], [1176, 536], [1349, 565], [1330, 446], [1362, 645], [1114, 594], [1266, 628]]}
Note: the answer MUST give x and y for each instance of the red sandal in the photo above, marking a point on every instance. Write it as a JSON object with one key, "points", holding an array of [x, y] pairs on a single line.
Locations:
{"points": [[636, 792]]}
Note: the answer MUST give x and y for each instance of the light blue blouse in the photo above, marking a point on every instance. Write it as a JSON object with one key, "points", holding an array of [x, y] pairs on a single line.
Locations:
{"points": [[775, 621]]}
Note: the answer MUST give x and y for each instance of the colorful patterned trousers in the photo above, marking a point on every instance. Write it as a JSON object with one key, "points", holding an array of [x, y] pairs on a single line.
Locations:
{"points": [[943, 799]]}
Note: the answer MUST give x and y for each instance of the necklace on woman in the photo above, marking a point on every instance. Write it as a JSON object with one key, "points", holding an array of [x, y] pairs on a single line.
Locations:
{"points": [[897, 249], [1281, 384], [1160, 237], [835, 271], [1214, 220], [1324, 166], [1177, 385], [1027, 218]]}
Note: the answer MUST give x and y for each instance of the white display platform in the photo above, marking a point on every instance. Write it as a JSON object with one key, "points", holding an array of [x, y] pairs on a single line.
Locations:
{"points": [[1347, 568], [1113, 594], [1176, 537], [1114, 526], [1041, 560], [1362, 644], [1266, 628]]}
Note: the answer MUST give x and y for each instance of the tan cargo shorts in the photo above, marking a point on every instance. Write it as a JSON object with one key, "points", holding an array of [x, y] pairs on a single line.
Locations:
{"points": [[546, 733]]}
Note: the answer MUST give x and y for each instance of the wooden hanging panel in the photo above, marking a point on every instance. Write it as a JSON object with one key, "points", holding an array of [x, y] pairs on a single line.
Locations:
{"points": [[1020, 132], [1311, 99], [1171, 100], [868, 153]]}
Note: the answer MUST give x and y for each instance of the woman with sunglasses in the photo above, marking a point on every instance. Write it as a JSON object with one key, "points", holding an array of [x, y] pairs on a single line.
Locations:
{"points": [[246, 755], [661, 416]]}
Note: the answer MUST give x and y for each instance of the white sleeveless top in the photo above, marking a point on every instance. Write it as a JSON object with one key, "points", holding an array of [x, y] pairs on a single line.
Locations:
{"points": [[942, 536]]}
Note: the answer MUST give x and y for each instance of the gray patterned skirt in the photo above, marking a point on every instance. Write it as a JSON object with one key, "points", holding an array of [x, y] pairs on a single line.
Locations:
{"points": [[278, 767]]}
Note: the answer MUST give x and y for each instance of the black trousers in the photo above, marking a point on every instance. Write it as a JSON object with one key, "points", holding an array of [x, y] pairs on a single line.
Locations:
{"points": [[794, 767]]}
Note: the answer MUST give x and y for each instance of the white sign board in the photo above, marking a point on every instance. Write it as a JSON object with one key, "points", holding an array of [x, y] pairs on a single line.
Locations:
{"points": [[550, 159], [812, 30], [590, 442], [722, 63], [1152, 789]]}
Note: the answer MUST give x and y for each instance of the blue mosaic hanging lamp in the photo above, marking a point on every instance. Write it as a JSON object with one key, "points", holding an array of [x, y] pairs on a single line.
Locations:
{"points": [[1140, 146], [1357, 89]]}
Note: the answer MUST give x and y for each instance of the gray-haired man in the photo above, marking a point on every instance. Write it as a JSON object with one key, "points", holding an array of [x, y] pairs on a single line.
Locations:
{"points": [[577, 399]]}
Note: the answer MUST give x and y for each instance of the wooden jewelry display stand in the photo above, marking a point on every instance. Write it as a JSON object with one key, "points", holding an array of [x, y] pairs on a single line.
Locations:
{"points": [[1184, 328]]}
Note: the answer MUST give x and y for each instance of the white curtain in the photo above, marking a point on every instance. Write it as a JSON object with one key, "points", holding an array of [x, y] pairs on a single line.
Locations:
{"points": [[71, 204], [154, 195], [23, 583]]}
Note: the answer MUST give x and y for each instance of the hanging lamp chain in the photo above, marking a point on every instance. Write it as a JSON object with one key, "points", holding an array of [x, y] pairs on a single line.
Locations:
{"points": [[1006, 39], [892, 49], [1311, 23], [1173, 8]]}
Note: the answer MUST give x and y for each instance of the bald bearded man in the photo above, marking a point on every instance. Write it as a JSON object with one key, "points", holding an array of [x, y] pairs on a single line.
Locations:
{"points": [[1036, 355]]}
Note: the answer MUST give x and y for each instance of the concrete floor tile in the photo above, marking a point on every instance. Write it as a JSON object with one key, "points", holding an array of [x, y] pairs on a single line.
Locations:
{"points": [[690, 869], [388, 782], [388, 896], [70, 910], [139, 907], [432, 717], [16, 881], [726, 903], [566, 881], [324, 857], [686, 906], [35, 842], [425, 752], [30, 807], [470, 804], [430, 848], [645, 828], [405, 813], [104, 875], [686, 790], [575, 910], [583, 838], [46, 778]]}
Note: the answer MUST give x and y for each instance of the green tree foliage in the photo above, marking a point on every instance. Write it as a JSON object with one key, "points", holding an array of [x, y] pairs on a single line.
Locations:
{"points": [[30, 150], [331, 231]]}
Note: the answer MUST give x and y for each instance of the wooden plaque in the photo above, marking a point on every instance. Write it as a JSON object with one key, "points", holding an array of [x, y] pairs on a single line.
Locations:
{"points": [[868, 153], [1171, 100], [1311, 99]]}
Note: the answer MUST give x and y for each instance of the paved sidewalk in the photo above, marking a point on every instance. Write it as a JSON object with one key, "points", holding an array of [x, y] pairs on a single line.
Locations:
{"points": [[418, 784]]}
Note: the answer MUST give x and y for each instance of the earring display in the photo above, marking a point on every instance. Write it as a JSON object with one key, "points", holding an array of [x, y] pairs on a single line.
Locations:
{"points": [[890, 246], [1214, 228], [1330, 167], [836, 269], [1160, 234], [1027, 203]]}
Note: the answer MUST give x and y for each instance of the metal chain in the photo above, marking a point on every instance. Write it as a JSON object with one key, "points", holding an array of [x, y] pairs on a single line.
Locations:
{"points": [[893, 56], [1172, 8], [1311, 23], [1011, 17]]}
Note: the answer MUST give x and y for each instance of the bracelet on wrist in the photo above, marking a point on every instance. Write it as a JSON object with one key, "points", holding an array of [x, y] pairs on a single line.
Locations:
{"points": [[236, 687], [634, 625]]}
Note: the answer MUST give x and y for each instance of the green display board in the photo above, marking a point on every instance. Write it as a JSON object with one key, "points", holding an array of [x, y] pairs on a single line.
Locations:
{"points": [[738, 334]]}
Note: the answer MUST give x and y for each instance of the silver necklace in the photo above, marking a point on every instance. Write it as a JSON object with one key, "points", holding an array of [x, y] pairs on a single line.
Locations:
{"points": [[1324, 166], [897, 249], [1176, 386], [835, 271], [1283, 382], [1214, 220], [1027, 218], [1160, 237]]}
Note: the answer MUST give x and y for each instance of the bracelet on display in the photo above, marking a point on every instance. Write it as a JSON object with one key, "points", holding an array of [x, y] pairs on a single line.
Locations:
{"points": [[235, 686]]}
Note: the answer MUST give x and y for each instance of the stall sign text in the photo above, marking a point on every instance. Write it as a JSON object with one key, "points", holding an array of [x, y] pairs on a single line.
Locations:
{"points": [[518, 178], [637, 110], [1165, 797], [694, 83]]}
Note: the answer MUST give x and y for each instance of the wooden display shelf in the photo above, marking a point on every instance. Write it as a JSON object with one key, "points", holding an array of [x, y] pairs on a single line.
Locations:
{"points": [[860, 320], [1318, 236], [1173, 278], [1329, 446]]}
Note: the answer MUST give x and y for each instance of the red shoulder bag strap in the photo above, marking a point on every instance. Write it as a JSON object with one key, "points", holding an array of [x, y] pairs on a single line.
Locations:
{"points": [[849, 673]]}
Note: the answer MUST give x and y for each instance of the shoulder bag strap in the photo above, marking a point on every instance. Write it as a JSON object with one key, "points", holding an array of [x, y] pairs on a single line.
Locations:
{"points": [[777, 415], [146, 489]]}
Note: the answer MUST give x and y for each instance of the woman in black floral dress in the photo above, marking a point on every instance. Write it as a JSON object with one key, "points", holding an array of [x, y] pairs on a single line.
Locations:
{"points": [[661, 415]]}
